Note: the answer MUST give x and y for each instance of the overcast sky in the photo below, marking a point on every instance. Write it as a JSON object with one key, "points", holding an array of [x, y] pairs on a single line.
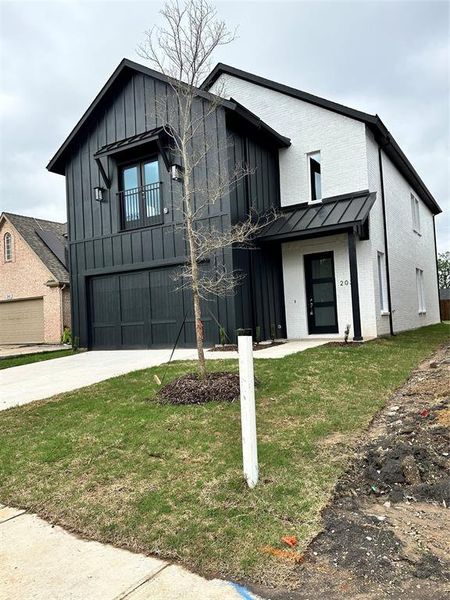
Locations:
{"points": [[390, 58]]}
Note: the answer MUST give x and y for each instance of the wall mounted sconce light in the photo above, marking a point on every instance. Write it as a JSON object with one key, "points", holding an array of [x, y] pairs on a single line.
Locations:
{"points": [[176, 172], [98, 193]]}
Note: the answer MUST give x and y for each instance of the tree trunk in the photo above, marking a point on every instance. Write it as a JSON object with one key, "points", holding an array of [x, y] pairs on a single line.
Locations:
{"points": [[199, 334]]}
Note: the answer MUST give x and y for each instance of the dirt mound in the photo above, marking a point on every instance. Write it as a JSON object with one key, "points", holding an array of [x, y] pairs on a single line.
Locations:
{"points": [[411, 463], [191, 389]]}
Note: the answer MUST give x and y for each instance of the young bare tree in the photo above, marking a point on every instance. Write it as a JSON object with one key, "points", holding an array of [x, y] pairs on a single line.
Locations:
{"points": [[181, 49]]}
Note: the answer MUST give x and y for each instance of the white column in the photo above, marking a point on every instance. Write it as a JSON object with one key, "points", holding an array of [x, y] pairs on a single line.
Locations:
{"points": [[248, 411]]}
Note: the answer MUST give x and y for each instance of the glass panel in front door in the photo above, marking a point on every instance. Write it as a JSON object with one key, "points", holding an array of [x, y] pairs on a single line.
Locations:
{"points": [[321, 293]]}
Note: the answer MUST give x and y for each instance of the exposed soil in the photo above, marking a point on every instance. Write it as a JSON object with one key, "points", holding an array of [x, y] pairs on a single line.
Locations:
{"points": [[191, 389], [233, 347], [386, 531]]}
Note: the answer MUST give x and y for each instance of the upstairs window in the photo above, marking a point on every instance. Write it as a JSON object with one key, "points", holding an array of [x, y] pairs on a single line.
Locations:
{"points": [[420, 292], [382, 282], [315, 178], [140, 196], [415, 213], [7, 247]]}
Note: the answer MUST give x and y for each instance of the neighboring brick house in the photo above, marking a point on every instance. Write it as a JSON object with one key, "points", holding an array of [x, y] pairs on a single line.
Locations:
{"points": [[34, 280], [354, 244]]}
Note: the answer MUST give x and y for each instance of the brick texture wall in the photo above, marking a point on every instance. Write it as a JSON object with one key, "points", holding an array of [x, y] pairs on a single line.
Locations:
{"points": [[25, 277], [341, 140], [349, 156], [407, 249], [295, 292]]}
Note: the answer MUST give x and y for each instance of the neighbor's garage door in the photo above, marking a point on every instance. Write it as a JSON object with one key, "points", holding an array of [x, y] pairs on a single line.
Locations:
{"points": [[22, 321], [141, 310]]}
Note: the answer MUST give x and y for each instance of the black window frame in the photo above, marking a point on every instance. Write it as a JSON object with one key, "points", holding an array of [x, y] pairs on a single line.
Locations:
{"points": [[142, 221], [312, 166]]}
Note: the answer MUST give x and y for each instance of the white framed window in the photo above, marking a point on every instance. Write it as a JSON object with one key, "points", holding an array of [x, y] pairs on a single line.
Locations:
{"points": [[420, 292], [415, 211], [315, 177], [382, 282], [7, 247]]}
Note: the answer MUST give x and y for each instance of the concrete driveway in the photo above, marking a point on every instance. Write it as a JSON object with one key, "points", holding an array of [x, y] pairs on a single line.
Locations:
{"points": [[8, 350], [36, 381]]}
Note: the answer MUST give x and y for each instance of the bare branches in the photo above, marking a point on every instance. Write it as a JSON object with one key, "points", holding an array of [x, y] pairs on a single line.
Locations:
{"points": [[182, 49], [209, 240], [210, 284]]}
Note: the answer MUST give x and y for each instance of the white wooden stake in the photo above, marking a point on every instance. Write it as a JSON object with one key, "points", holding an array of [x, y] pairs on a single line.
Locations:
{"points": [[248, 411]]}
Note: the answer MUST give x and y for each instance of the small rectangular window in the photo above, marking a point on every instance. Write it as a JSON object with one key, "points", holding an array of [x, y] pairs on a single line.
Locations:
{"points": [[382, 282], [420, 292], [315, 177], [415, 210]]}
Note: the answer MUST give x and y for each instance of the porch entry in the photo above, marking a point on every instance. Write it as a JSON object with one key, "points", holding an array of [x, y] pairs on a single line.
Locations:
{"points": [[321, 293]]}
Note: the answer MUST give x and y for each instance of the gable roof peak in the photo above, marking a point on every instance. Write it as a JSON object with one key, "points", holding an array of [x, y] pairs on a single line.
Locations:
{"points": [[383, 136]]}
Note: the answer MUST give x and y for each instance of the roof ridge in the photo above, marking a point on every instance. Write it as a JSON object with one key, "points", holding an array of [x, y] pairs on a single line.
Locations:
{"points": [[285, 88], [383, 137], [32, 218]]}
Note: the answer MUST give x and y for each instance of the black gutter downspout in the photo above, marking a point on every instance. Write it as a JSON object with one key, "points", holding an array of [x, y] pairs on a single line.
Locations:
{"points": [[250, 256], [354, 286], [437, 267], [386, 246]]}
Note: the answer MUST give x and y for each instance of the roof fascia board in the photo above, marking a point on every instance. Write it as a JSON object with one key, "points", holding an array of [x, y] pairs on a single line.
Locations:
{"points": [[287, 90], [55, 165], [124, 65], [373, 121]]}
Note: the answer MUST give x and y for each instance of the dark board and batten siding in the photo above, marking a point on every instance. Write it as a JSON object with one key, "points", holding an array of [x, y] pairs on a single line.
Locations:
{"points": [[98, 246], [259, 300], [106, 262]]}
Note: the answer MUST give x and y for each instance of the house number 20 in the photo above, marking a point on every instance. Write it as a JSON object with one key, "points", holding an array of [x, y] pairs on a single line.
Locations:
{"points": [[343, 282]]}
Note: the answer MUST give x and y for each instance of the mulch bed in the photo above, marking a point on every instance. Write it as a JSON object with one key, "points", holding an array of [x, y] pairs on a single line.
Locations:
{"points": [[191, 389]]}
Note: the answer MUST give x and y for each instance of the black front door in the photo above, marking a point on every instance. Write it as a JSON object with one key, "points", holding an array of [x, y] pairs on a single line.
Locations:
{"points": [[321, 293]]}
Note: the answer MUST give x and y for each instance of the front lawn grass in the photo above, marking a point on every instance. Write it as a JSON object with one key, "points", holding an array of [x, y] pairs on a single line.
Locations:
{"points": [[111, 463], [25, 359]]}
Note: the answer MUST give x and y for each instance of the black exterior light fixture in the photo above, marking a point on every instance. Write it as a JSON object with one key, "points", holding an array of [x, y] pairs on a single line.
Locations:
{"points": [[176, 172], [98, 194]]}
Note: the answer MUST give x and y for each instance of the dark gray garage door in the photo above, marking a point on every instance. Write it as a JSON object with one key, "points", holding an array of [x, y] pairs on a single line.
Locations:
{"points": [[140, 310]]}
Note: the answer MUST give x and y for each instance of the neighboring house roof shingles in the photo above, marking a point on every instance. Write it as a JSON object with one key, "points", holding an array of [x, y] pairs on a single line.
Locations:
{"points": [[28, 228]]}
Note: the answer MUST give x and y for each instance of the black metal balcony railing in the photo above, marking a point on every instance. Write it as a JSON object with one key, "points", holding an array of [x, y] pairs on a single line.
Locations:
{"points": [[141, 206]]}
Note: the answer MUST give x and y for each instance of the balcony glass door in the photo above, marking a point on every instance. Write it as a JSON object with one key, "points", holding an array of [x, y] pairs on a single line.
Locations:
{"points": [[140, 195], [131, 200], [151, 185]]}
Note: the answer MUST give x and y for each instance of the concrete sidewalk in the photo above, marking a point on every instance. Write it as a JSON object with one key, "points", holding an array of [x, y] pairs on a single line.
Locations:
{"points": [[40, 380], [10, 350], [39, 561]]}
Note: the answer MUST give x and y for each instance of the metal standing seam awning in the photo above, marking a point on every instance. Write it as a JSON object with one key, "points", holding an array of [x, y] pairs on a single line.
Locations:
{"points": [[340, 214], [332, 215]]}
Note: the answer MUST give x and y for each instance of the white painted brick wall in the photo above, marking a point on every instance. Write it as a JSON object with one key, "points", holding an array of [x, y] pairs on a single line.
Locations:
{"points": [[376, 230], [407, 249], [295, 292], [341, 140], [349, 156]]}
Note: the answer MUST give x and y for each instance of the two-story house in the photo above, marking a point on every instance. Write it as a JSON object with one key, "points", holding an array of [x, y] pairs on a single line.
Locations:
{"points": [[354, 244]]}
